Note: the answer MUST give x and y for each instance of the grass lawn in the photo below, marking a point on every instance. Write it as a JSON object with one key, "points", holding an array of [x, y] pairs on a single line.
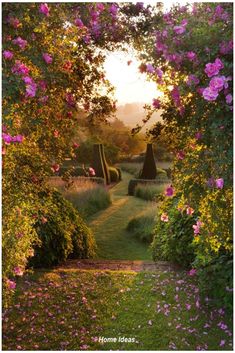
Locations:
{"points": [[72, 309], [109, 226]]}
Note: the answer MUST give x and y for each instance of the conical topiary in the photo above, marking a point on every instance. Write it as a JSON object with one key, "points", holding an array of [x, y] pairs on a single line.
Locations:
{"points": [[98, 162], [106, 167], [149, 170]]}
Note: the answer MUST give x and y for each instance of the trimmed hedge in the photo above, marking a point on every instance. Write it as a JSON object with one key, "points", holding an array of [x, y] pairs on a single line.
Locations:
{"points": [[63, 234], [114, 175], [149, 170]]}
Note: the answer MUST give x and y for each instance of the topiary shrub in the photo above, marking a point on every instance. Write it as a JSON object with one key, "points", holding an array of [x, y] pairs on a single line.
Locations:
{"points": [[149, 170], [119, 173], [105, 164], [98, 163], [174, 236], [62, 232], [114, 175]]}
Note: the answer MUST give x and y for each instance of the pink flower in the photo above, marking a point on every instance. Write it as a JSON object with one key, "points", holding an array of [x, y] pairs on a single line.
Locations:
{"points": [[44, 9], [156, 103], [100, 6], [217, 83], [188, 306], [222, 343], [20, 69], [150, 68], [11, 284], [175, 94], [76, 145], [47, 58], [197, 227], [164, 217], [7, 138], [8, 55], [78, 22], [169, 191], [159, 72], [20, 42], [189, 210], [55, 168], [192, 272], [180, 155], [44, 220], [42, 84], [91, 171], [113, 9], [56, 133], [31, 90], [229, 98], [191, 55], [209, 94], [219, 183], [213, 69], [18, 138], [198, 135], [14, 22], [179, 29], [27, 79], [18, 271], [192, 79]]}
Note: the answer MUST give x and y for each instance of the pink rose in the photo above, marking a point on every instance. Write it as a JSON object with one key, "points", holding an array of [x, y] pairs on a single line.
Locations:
{"points": [[150, 68], [209, 94], [169, 191], [219, 183], [213, 69], [20, 69], [217, 83], [179, 29], [192, 79], [44, 9], [191, 55], [31, 90], [164, 217], [197, 227], [91, 171], [55, 168], [11, 284], [8, 55], [20, 42], [78, 22], [18, 271], [47, 58], [156, 103], [229, 98]]}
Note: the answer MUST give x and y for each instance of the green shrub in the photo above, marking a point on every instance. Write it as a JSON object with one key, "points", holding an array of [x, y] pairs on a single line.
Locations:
{"points": [[62, 232], [105, 164], [72, 171], [149, 170], [149, 192], [98, 163], [173, 239], [114, 175], [142, 226]]}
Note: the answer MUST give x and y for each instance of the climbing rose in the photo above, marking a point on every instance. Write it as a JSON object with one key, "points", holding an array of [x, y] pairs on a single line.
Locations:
{"points": [[20, 42], [55, 168], [11, 284], [180, 155], [156, 103], [20, 69], [179, 29], [189, 210], [191, 55], [192, 272], [150, 68], [8, 55], [229, 98], [31, 90], [164, 217], [217, 83], [219, 183], [169, 191], [44, 9], [14, 22], [197, 227], [18, 271], [7, 138], [78, 22], [213, 69], [209, 94], [47, 58], [192, 79], [91, 171]]}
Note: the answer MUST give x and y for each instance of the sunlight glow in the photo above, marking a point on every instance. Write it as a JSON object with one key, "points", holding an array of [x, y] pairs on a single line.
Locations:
{"points": [[131, 86]]}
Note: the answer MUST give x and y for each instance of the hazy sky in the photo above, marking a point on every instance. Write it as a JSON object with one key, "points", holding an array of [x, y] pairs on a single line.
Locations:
{"points": [[131, 85]]}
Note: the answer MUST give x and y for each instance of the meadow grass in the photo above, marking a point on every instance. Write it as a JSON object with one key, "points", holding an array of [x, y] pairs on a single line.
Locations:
{"points": [[86, 196], [142, 226], [72, 309], [149, 192]]}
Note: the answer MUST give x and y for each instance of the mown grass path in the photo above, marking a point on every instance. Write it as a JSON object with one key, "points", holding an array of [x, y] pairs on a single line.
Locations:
{"points": [[109, 226]]}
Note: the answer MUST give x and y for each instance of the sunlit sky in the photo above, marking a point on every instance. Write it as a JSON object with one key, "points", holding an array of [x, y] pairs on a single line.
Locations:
{"points": [[131, 86]]}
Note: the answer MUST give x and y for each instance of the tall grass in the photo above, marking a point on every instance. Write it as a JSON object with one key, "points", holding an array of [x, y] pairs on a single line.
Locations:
{"points": [[87, 196], [149, 192], [142, 226]]}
